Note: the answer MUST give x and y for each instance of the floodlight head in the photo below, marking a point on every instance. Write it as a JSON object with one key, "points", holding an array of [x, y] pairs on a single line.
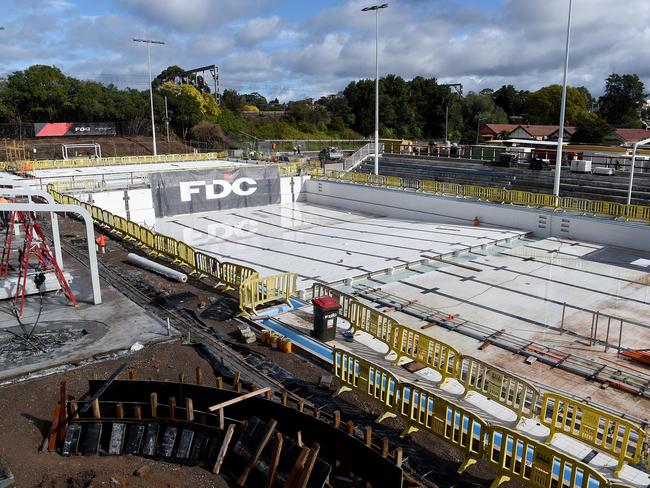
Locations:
{"points": [[374, 7]]}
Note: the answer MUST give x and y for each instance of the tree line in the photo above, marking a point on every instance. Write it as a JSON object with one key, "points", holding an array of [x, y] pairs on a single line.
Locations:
{"points": [[420, 108]]}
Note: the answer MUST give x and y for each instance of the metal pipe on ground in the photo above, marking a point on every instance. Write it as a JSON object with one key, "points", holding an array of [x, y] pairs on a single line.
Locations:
{"points": [[155, 267]]}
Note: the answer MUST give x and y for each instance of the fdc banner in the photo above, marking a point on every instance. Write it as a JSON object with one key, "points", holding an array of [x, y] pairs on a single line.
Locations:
{"points": [[187, 192]]}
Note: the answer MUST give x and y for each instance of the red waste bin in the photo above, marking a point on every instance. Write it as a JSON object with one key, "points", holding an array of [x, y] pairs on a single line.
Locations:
{"points": [[325, 314]]}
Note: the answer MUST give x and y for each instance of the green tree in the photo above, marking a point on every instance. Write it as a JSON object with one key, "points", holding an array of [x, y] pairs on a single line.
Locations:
{"points": [[476, 106], [591, 129], [184, 110], [511, 100], [544, 105], [231, 100], [623, 100], [40, 94]]}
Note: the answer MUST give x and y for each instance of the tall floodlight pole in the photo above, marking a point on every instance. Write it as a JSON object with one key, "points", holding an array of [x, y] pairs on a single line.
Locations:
{"points": [[560, 139], [149, 42], [376, 9], [636, 146]]}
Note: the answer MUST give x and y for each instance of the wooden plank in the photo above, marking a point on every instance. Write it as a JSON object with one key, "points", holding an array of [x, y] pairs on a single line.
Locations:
{"points": [[297, 468], [224, 449], [275, 460], [270, 427], [309, 466], [240, 398], [50, 440]]}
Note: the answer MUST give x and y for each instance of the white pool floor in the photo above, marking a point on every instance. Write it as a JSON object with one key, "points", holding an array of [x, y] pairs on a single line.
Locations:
{"points": [[322, 244]]}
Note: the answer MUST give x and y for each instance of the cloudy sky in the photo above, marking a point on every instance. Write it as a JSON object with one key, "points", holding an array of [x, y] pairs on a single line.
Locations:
{"points": [[300, 48]]}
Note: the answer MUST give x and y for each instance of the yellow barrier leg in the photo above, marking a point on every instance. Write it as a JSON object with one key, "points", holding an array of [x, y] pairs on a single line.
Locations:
{"points": [[500, 479], [384, 416], [469, 461], [342, 389], [409, 430]]}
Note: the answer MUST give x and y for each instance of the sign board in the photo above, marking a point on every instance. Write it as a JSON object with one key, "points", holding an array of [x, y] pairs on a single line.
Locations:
{"points": [[59, 129], [187, 192]]}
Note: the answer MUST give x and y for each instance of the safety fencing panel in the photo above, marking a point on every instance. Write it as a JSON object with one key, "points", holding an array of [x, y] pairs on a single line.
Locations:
{"points": [[233, 275], [619, 437], [321, 290], [147, 238], [358, 374], [257, 291], [427, 350], [166, 245], [377, 324], [114, 161], [186, 255], [121, 225], [445, 419], [500, 386], [393, 182], [516, 456], [515, 197], [207, 266], [133, 230]]}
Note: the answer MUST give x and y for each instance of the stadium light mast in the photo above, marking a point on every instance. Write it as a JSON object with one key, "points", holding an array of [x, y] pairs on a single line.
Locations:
{"points": [[149, 42], [560, 139], [376, 9]]}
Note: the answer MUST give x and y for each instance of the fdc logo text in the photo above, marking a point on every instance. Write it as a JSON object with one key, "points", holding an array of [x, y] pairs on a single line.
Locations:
{"points": [[217, 188]]}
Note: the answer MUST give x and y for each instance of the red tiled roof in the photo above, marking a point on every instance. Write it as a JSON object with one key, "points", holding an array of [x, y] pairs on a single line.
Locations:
{"points": [[632, 135], [497, 129], [545, 130]]}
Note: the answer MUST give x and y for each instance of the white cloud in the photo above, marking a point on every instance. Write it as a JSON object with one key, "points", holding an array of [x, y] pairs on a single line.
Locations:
{"points": [[521, 43]]}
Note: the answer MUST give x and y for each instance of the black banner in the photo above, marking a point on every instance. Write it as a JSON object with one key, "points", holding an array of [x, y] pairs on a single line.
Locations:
{"points": [[59, 129], [187, 192]]}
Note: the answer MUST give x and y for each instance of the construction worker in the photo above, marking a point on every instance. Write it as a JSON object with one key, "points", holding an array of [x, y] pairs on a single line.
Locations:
{"points": [[101, 243]]}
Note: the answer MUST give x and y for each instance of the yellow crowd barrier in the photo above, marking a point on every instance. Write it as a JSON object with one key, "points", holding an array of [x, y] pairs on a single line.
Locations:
{"points": [[501, 386], [233, 275], [428, 351], [609, 433], [257, 291], [513, 197], [516, 456], [605, 431], [443, 418], [356, 373], [321, 290], [207, 266], [418, 407], [253, 290], [377, 324], [112, 161]]}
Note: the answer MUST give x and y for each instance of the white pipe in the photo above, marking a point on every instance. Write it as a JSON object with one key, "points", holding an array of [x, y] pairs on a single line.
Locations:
{"points": [[157, 268], [90, 233], [635, 147]]}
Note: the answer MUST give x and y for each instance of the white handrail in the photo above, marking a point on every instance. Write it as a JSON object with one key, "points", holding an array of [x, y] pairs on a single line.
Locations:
{"points": [[358, 157]]}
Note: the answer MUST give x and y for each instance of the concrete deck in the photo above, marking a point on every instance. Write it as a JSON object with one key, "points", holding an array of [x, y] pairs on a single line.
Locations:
{"points": [[322, 244], [111, 327]]}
